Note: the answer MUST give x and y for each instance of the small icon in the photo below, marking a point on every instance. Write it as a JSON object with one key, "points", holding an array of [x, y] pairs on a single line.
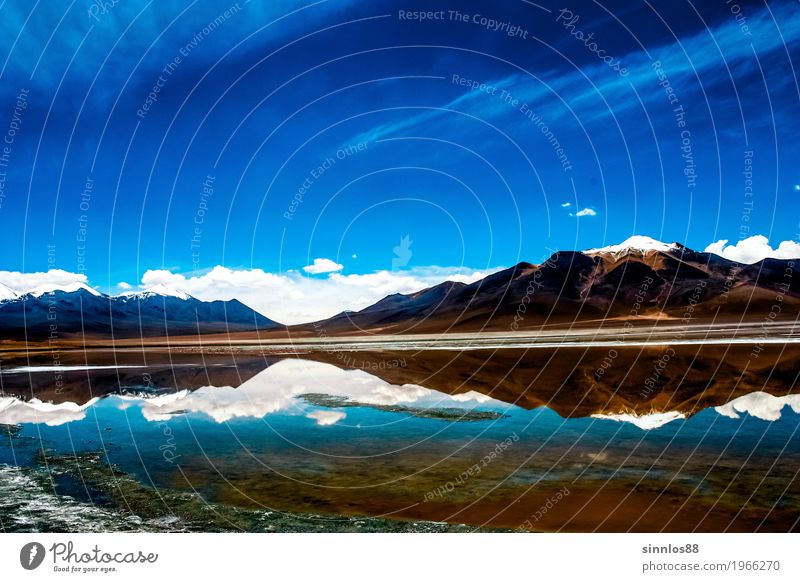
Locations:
{"points": [[31, 555], [403, 253]]}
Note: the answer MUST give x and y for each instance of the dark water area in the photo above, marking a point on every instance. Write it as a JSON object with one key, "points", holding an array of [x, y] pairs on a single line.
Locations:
{"points": [[317, 444]]}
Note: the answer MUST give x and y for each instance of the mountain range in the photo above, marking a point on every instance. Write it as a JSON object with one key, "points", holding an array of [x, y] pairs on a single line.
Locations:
{"points": [[62, 312], [640, 278]]}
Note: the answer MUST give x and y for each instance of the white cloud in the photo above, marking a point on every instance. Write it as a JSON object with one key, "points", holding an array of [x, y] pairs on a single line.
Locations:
{"points": [[326, 417], [277, 388], [566, 205], [293, 298], [761, 405], [14, 411], [124, 286], [754, 249], [323, 266], [586, 212], [289, 297], [155, 277], [274, 390], [25, 282]]}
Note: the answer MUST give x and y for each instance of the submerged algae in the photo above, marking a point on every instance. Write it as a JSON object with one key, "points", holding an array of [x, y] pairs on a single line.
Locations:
{"points": [[85, 493]]}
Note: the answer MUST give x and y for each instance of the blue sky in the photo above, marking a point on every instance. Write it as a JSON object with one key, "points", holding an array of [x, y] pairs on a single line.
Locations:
{"points": [[227, 166]]}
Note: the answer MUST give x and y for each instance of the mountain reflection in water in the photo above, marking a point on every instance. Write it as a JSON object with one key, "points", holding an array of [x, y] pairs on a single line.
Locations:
{"points": [[463, 438]]}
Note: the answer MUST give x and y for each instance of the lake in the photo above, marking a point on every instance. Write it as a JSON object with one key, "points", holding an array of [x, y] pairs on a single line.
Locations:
{"points": [[232, 442]]}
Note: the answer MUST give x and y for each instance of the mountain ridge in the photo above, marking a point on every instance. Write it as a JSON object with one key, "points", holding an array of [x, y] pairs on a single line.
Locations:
{"points": [[64, 312], [639, 277]]}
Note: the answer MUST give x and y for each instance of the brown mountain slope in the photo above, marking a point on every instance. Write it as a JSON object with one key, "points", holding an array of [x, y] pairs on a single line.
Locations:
{"points": [[670, 282]]}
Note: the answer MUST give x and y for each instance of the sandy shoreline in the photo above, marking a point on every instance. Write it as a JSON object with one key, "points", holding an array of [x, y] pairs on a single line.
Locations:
{"points": [[580, 337]]}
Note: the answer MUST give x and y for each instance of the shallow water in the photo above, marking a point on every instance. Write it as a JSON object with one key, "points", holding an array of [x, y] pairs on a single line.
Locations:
{"points": [[308, 437]]}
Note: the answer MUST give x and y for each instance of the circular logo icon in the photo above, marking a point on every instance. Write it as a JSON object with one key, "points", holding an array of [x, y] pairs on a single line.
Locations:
{"points": [[31, 555]]}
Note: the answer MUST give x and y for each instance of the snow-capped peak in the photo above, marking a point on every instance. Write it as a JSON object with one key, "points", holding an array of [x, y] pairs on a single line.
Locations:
{"points": [[162, 290], [68, 288], [636, 243], [7, 294], [644, 421]]}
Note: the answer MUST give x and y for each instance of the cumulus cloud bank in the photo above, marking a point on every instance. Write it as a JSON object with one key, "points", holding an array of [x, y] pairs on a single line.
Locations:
{"points": [[754, 249], [294, 298], [25, 282], [288, 298]]}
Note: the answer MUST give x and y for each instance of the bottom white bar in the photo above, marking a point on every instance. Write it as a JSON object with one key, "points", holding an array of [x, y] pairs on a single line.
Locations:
{"points": [[354, 557]]}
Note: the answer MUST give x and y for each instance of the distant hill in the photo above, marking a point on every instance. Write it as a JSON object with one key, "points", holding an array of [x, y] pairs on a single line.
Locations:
{"points": [[77, 310]]}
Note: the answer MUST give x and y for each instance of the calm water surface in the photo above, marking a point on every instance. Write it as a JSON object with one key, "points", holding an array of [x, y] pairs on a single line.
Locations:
{"points": [[310, 438]]}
